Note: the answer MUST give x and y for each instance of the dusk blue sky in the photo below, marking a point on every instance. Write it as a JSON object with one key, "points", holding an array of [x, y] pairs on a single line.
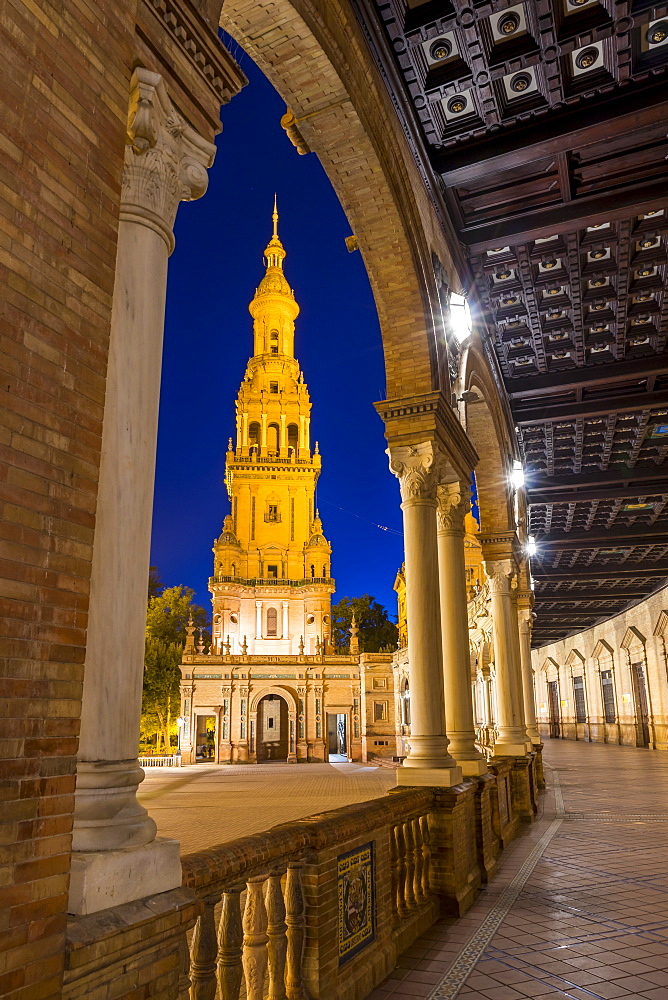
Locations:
{"points": [[213, 274]]}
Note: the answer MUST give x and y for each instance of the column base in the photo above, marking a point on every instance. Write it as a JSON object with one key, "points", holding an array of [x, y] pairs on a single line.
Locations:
{"points": [[102, 879], [434, 777], [473, 768], [510, 749]]}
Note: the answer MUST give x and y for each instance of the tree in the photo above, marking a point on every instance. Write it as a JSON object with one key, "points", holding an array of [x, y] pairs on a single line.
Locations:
{"points": [[169, 610], [168, 615], [155, 585], [376, 632], [161, 695]]}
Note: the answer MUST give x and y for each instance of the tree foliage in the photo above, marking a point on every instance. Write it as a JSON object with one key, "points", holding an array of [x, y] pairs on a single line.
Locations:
{"points": [[169, 609], [168, 614], [376, 632], [161, 695]]}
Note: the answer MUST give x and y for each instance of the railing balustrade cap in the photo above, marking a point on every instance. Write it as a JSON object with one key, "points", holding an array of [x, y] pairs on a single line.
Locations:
{"points": [[260, 853]]}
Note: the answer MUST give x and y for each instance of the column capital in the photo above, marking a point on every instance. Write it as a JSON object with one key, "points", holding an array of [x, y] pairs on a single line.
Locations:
{"points": [[525, 618], [166, 160], [452, 505], [418, 468], [502, 574]]}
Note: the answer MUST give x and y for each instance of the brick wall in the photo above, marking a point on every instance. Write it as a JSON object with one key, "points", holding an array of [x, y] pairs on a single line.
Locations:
{"points": [[64, 97]]}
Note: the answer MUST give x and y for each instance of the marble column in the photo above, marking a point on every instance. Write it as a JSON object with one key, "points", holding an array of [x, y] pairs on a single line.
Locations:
{"points": [[258, 619], [452, 506], [286, 625], [429, 761], [117, 857], [525, 617], [512, 738]]}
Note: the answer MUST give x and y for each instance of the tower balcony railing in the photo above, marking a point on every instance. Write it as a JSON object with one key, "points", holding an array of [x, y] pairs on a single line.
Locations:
{"points": [[271, 459], [259, 581]]}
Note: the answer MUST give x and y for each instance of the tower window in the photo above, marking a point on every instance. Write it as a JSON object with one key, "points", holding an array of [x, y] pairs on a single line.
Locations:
{"points": [[273, 342], [273, 387], [272, 618], [254, 432], [272, 512], [293, 436]]}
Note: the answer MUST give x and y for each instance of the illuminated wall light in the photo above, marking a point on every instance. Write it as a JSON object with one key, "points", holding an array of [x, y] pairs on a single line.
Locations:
{"points": [[460, 317], [531, 546], [517, 475]]}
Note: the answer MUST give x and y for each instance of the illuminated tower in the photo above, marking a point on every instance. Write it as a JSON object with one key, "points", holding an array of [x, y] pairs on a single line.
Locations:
{"points": [[271, 584]]}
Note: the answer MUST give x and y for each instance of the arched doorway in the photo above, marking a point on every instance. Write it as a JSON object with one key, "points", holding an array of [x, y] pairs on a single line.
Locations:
{"points": [[272, 729]]}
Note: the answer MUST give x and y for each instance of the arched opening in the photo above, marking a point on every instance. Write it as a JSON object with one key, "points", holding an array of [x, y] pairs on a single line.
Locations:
{"points": [[254, 433], [272, 621], [273, 342], [273, 729], [293, 436], [272, 438]]}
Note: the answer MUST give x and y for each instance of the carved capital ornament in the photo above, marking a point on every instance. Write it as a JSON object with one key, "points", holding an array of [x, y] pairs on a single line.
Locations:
{"points": [[166, 160], [418, 469], [452, 506]]}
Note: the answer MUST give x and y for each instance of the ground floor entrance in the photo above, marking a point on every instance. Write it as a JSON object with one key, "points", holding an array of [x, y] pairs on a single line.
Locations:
{"points": [[205, 737], [337, 736], [273, 736]]}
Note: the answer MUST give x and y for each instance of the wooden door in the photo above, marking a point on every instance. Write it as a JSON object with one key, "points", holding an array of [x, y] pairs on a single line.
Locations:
{"points": [[641, 704], [553, 697]]}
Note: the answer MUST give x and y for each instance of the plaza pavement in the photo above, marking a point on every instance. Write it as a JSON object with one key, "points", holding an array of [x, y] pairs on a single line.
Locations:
{"points": [[206, 804]]}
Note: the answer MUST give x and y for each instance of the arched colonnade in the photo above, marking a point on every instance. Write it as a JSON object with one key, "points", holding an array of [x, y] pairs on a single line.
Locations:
{"points": [[317, 59]]}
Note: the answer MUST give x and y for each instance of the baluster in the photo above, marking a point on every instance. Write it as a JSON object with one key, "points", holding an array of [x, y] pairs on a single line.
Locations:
{"points": [[184, 968], [402, 908], [394, 870], [254, 955], [230, 938], [296, 933], [410, 866], [278, 942], [417, 854], [203, 953], [426, 857]]}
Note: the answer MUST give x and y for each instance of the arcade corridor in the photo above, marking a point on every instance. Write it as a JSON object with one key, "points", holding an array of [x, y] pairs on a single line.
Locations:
{"points": [[580, 906]]}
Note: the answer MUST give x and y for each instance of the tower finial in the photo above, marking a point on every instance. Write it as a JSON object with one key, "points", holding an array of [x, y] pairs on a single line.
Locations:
{"points": [[274, 217]]}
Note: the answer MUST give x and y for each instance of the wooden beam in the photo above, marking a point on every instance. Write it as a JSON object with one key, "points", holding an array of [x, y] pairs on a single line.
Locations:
{"points": [[574, 596], [535, 482], [586, 377], [617, 571], [622, 491], [635, 199], [567, 541], [553, 134], [589, 408]]}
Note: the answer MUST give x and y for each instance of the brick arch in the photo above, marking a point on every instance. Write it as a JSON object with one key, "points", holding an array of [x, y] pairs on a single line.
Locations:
{"points": [[317, 59], [286, 693], [488, 423]]}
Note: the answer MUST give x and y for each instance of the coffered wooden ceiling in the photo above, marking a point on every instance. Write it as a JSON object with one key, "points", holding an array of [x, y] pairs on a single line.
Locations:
{"points": [[543, 129]]}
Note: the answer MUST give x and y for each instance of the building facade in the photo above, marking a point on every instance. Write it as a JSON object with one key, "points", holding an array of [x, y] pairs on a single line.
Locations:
{"points": [[608, 684], [270, 688]]}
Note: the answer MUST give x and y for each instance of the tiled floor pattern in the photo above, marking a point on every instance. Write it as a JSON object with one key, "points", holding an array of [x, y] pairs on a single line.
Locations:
{"points": [[591, 919], [207, 804]]}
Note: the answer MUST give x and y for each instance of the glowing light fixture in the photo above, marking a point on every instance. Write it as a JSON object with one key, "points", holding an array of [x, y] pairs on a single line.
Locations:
{"points": [[460, 317], [518, 474], [531, 545]]}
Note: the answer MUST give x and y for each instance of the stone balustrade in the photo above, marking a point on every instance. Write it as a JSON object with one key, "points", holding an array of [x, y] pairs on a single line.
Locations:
{"points": [[286, 913]]}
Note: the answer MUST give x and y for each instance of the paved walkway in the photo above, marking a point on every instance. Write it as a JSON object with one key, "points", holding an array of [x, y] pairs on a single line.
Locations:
{"points": [[580, 906], [207, 804]]}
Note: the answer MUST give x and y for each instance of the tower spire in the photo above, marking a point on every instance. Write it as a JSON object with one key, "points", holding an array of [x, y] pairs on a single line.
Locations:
{"points": [[274, 217]]}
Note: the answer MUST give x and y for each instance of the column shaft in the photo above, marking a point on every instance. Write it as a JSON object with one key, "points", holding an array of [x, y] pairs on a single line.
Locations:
{"points": [[429, 761], [512, 738], [452, 506], [525, 620]]}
